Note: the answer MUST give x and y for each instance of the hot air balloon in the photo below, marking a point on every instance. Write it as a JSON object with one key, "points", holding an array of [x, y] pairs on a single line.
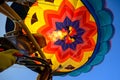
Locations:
{"points": [[77, 33]]}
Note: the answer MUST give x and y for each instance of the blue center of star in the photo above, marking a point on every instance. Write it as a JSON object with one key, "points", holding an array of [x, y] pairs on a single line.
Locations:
{"points": [[74, 33]]}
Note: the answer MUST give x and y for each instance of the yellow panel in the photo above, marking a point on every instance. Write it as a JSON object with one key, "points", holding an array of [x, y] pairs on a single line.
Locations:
{"points": [[79, 4], [40, 17], [47, 5], [74, 2], [92, 18], [95, 38], [58, 2], [76, 64]]}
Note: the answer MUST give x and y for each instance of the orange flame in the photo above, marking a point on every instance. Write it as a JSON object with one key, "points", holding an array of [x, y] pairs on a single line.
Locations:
{"points": [[56, 35]]}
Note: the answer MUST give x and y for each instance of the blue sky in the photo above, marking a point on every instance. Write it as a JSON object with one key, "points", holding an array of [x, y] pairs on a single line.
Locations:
{"points": [[107, 70]]}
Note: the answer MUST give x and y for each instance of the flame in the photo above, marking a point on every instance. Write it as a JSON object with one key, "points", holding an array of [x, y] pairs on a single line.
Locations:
{"points": [[56, 35], [63, 34]]}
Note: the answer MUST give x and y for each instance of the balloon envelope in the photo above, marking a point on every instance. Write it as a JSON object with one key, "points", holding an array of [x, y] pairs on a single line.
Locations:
{"points": [[77, 32]]}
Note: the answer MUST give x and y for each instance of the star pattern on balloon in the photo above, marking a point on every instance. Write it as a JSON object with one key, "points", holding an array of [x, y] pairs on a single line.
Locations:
{"points": [[77, 30], [73, 34]]}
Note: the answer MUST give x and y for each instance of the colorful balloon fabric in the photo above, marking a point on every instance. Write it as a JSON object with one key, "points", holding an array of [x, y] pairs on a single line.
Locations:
{"points": [[77, 32]]}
